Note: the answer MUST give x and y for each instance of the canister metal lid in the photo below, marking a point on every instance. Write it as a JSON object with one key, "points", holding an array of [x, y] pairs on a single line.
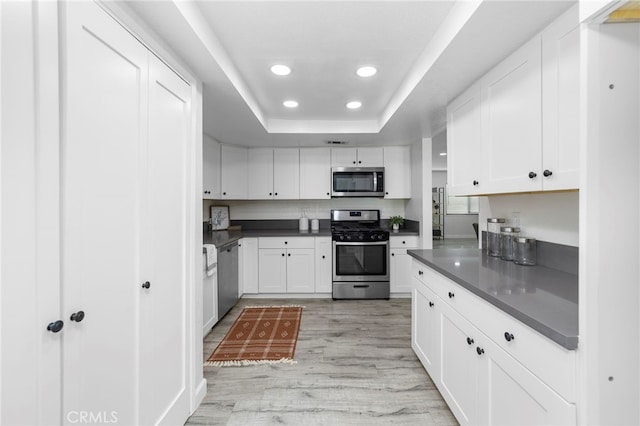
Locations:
{"points": [[495, 220], [509, 229], [524, 240]]}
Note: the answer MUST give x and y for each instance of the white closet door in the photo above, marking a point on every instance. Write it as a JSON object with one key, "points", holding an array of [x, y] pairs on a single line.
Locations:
{"points": [[163, 340], [105, 104]]}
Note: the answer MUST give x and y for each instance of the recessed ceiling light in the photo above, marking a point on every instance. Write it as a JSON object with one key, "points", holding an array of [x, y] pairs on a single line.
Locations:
{"points": [[444, 154], [354, 105], [367, 71], [280, 69], [290, 104]]}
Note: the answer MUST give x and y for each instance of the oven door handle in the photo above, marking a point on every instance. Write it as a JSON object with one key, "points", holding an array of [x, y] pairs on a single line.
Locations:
{"points": [[362, 243]]}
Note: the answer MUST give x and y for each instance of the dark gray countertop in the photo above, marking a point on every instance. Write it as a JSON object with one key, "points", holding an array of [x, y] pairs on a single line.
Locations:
{"points": [[545, 299]]}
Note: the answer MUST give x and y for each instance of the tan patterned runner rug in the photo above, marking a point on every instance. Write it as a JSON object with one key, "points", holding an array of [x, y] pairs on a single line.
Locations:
{"points": [[260, 335]]}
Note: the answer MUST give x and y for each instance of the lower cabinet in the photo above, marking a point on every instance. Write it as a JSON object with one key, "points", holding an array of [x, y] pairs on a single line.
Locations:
{"points": [[324, 266], [248, 266], [400, 264], [286, 265], [479, 380]]}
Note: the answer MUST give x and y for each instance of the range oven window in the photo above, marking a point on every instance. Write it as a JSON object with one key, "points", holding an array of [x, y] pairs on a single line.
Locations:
{"points": [[353, 182], [361, 260]]}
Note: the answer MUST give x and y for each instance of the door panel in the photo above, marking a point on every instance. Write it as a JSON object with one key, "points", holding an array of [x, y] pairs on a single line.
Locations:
{"points": [[301, 270]]}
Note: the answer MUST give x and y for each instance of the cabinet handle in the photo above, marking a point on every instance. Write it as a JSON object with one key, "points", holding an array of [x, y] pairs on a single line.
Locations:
{"points": [[508, 336], [475, 183], [431, 304], [451, 295], [420, 272], [77, 316], [532, 175], [479, 350], [146, 285], [55, 327], [469, 341], [547, 173]]}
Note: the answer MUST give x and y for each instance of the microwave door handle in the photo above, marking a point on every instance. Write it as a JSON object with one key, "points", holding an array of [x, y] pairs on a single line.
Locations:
{"points": [[375, 181]]}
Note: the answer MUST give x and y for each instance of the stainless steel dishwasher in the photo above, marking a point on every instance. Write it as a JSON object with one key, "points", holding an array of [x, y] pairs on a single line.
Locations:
{"points": [[227, 278]]}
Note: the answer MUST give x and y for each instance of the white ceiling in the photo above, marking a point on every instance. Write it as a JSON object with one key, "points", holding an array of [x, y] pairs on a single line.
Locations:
{"points": [[426, 52]]}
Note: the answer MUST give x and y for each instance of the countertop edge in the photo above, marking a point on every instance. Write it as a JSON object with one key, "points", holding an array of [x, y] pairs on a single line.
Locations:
{"points": [[569, 342]]}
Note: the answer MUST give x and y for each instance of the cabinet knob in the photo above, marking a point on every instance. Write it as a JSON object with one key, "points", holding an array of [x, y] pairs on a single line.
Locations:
{"points": [[393, 254], [354, 162], [282, 254], [224, 193], [508, 336], [469, 341], [327, 193], [479, 350], [286, 242], [475, 183], [270, 193], [146, 285], [386, 193], [451, 295], [532, 175], [275, 193], [55, 327], [420, 272], [289, 254], [404, 242], [323, 257], [431, 304], [547, 173], [77, 316], [359, 162]]}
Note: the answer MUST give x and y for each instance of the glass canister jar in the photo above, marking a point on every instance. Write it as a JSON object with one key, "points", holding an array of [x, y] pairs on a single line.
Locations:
{"points": [[507, 234], [493, 235], [525, 251]]}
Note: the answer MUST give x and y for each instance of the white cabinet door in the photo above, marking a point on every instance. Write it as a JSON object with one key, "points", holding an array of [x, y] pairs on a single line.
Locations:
{"points": [[211, 169], [260, 169], [301, 274], [106, 81], [324, 271], [464, 143], [400, 271], [286, 174], [163, 334], [370, 157], [397, 172], [272, 267], [425, 328], [234, 172], [512, 122], [509, 394], [248, 264], [561, 103], [344, 157], [315, 173]]}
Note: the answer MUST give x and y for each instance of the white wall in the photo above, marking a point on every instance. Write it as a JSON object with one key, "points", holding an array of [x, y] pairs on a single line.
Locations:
{"points": [[455, 225], [551, 217]]}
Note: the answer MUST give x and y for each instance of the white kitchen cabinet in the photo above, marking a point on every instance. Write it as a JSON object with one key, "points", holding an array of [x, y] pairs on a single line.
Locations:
{"points": [[211, 161], [273, 174], [512, 122], [397, 172], [400, 266], [561, 103], [248, 266], [324, 267], [234, 172], [357, 157], [425, 327], [315, 173], [286, 265], [464, 143]]}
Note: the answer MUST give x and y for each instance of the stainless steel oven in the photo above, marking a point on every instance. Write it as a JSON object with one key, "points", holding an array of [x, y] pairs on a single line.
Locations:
{"points": [[360, 255]]}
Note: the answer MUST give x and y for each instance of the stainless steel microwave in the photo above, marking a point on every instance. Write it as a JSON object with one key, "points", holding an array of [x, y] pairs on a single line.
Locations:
{"points": [[357, 182]]}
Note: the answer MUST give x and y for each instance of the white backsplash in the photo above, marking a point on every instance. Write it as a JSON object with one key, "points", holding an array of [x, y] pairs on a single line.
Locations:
{"points": [[292, 209], [551, 217]]}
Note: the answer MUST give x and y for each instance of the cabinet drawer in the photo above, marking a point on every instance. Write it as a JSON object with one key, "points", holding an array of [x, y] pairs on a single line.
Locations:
{"points": [[407, 241], [286, 242]]}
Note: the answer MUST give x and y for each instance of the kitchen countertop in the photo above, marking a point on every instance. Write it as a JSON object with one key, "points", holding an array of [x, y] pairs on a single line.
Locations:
{"points": [[545, 299]]}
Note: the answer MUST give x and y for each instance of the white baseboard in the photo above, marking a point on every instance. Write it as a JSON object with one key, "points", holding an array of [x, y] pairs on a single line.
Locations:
{"points": [[198, 397]]}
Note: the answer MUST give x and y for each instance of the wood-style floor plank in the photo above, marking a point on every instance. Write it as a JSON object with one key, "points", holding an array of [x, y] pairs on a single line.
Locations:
{"points": [[355, 366]]}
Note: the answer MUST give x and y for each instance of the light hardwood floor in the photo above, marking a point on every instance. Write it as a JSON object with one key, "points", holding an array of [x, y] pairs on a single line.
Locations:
{"points": [[355, 366]]}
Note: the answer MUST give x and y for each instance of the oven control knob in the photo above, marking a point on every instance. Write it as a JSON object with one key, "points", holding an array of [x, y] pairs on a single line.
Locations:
{"points": [[348, 237], [380, 237], [373, 237], [341, 237], [361, 237]]}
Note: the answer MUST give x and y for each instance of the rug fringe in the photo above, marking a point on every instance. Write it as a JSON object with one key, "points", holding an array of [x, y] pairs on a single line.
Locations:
{"points": [[242, 363], [275, 306]]}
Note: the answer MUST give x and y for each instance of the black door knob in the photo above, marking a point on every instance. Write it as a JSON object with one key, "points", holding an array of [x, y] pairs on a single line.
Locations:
{"points": [[547, 173], [469, 341], [146, 285], [479, 350], [451, 295], [54, 327], [475, 183], [508, 336], [431, 304], [532, 175], [77, 316]]}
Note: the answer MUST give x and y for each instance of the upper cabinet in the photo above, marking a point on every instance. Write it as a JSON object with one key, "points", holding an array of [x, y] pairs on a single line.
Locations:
{"points": [[273, 174], [234, 172], [211, 169], [397, 171], [315, 173], [516, 129], [357, 157]]}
